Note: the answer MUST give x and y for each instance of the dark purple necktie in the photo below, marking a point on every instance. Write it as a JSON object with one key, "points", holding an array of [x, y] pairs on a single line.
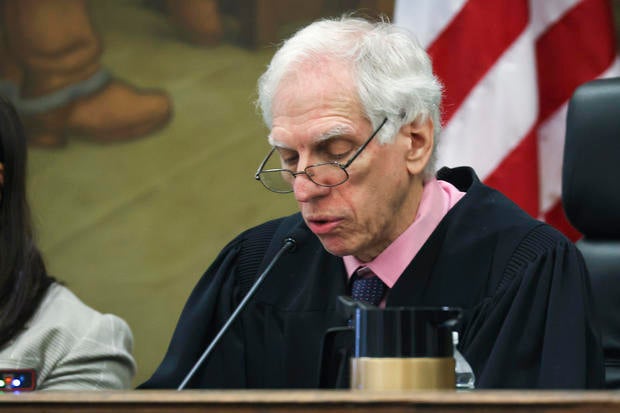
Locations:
{"points": [[367, 287]]}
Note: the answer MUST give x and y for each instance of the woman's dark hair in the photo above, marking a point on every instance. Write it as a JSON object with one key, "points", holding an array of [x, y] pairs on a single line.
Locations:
{"points": [[23, 277]]}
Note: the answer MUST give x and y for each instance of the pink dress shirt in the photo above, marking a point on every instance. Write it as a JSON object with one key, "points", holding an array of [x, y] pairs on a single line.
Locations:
{"points": [[437, 199]]}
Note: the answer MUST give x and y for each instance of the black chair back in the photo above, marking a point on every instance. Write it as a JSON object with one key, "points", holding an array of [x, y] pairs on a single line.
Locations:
{"points": [[591, 199]]}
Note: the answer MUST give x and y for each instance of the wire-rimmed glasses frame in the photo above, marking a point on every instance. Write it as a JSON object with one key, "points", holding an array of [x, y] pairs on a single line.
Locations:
{"points": [[310, 170]]}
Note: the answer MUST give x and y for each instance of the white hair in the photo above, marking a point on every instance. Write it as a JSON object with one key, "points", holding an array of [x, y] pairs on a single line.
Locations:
{"points": [[394, 74]]}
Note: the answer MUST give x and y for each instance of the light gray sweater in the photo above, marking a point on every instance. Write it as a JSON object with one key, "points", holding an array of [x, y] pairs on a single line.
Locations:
{"points": [[72, 346]]}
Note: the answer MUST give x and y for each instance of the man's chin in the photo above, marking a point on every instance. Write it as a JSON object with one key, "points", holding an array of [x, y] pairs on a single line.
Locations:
{"points": [[335, 248]]}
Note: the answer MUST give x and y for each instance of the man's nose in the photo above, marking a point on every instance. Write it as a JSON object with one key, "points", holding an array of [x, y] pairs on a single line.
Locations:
{"points": [[305, 189]]}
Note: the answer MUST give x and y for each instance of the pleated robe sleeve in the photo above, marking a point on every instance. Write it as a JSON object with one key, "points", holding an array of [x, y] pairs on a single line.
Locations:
{"points": [[208, 307], [537, 328]]}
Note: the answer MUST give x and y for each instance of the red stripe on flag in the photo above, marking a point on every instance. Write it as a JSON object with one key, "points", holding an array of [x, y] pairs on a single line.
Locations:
{"points": [[517, 175], [577, 48], [471, 44], [557, 218]]}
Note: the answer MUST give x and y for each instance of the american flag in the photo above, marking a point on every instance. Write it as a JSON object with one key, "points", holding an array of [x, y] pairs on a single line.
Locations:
{"points": [[509, 68]]}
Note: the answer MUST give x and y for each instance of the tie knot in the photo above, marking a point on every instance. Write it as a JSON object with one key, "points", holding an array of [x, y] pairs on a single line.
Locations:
{"points": [[367, 287]]}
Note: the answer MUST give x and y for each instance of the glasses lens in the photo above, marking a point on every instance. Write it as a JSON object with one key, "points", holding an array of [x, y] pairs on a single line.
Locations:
{"points": [[327, 174], [277, 180]]}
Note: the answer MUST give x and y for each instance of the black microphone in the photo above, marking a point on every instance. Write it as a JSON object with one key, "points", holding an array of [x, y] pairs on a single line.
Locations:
{"points": [[291, 243]]}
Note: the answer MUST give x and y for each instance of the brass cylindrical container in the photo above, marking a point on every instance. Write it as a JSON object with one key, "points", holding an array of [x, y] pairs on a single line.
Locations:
{"points": [[396, 373], [403, 348]]}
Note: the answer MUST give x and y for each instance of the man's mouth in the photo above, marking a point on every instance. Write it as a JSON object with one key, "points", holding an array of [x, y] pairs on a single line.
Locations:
{"points": [[321, 226]]}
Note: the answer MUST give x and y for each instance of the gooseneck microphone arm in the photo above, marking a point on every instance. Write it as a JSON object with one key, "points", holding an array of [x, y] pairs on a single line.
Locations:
{"points": [[289, 245]]}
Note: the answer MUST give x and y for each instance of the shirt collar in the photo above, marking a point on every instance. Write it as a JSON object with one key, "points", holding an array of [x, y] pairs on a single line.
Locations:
{"points": [[437, 199]]}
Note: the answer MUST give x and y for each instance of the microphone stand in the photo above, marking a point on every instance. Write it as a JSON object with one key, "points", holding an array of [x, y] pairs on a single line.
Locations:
{"points": [[289, 245]]}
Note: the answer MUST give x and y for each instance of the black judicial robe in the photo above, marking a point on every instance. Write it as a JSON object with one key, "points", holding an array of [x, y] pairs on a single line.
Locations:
{"points": [[527, 313]]}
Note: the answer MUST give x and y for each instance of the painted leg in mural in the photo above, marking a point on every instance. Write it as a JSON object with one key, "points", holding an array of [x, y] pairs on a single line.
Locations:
{"points": [[63, 90], [198, 20]]}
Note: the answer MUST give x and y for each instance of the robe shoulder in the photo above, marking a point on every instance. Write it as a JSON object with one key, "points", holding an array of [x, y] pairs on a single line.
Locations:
{"points": [[213, 299]]}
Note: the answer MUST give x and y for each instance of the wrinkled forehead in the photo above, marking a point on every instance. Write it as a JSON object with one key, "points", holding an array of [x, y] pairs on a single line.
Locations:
{"points": [[311, 83]]}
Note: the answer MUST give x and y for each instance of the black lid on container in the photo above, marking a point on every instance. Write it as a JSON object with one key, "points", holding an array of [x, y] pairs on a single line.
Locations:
{"points": [[404, 331]]}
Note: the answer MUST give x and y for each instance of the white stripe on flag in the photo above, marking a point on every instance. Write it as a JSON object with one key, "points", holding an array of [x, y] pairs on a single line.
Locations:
{"points": [[544, 13], [426, 19], [500, 110]]}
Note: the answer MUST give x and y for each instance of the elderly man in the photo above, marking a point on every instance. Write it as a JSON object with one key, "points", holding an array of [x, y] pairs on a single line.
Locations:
{"points": [[354, 112]]}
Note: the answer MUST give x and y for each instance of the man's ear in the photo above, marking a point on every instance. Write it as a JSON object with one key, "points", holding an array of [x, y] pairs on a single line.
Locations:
{"points": [[419, 137], [1, 174]]}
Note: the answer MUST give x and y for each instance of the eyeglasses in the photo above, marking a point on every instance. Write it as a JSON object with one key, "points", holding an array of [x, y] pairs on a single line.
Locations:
{"points": [[328, 174]]}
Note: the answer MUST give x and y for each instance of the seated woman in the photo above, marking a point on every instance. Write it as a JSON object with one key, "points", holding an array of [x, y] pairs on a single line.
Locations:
{"points": [[43, 325]]}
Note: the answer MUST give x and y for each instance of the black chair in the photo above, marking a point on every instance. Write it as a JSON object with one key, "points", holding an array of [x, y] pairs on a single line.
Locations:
{"points": [[591, 199]]}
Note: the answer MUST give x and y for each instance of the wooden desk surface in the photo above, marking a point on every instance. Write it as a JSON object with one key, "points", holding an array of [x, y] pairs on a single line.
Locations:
{"points": [[149, 401]]}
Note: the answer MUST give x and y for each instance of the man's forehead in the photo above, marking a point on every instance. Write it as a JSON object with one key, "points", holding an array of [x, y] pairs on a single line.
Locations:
{"points": [[305, 87]]}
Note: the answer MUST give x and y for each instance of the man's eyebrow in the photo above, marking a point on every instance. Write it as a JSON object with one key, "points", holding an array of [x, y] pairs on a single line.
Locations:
{"points": [[271, 141], [336, 131], [276, 143]]}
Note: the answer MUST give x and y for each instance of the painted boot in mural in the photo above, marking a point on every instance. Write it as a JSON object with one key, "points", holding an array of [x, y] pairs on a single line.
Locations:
{"points": [[63, 89]]}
